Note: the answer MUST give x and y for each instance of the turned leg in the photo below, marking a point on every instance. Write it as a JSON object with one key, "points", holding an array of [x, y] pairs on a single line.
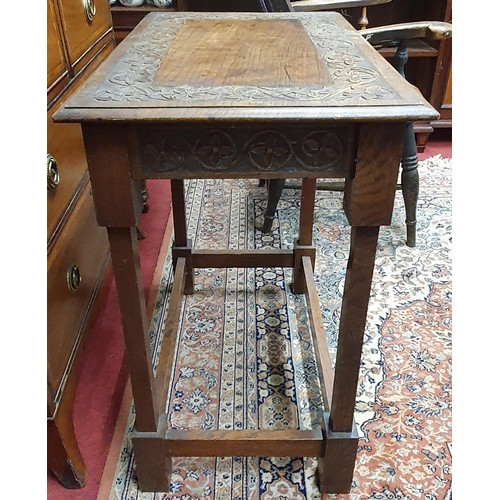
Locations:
{"points": [[336, 468], [63, 454], [409, 175], [274, 190], [410, 184], [145, 197]]}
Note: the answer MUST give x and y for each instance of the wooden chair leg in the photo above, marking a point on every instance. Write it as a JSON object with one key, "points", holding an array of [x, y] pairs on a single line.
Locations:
{"points": [[145, 197], [410, 184], [275, 188], [409, 175]]}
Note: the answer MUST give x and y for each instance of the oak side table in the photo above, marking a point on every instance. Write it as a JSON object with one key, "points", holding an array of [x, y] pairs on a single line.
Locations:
{"points": [[221, 95]]}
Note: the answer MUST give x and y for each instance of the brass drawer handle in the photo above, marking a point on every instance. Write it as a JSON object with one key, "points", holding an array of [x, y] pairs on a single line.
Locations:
{"points": [[73, 277], [52, 172], [89, 9]]}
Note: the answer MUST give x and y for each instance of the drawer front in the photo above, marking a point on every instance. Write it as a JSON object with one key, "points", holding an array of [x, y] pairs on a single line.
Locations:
{"points": [[65, 146], [75, 267], [85, 22], [66, 168], [56, 67]]}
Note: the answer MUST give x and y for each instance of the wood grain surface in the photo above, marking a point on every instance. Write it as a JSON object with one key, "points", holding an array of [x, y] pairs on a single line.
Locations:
{"points": [[235, 52]]}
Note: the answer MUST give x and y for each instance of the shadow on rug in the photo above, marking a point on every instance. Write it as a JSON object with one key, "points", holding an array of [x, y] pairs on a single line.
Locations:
{"points": [[245, 359]]}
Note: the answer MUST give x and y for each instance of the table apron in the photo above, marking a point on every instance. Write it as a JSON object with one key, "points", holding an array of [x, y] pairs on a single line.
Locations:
{"points": [[235, 152]]}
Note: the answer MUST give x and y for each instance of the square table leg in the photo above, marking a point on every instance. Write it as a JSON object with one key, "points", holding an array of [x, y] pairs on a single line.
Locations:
{"points": [[336, 467], [182, 245], [118, 209], [153, 466], [303, 245]]}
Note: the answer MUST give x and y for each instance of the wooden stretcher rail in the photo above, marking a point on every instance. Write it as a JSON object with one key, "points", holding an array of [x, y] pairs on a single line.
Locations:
{"points": [[319, 335], [163, 373], [268, 257], [245, 443]]}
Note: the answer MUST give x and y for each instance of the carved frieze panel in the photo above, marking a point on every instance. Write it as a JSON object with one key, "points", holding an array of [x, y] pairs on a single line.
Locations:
{"points": [[174, 152]]}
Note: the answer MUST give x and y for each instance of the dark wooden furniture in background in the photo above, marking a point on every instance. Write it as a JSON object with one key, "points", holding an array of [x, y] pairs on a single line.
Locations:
{"points": [[429, 64], [429, 67], [250, 110], [400, 35], [79, 37], [125, 19], [440, 96]]}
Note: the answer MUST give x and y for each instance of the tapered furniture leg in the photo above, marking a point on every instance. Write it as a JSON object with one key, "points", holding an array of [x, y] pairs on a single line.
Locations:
{"points": [[145, 197], [410, 184], [336, 468], [275, 188], [368, 203], [409, 162], [148, 427], [118, 209]]}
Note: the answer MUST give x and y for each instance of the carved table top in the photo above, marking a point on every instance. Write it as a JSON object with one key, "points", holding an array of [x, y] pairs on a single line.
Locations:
{"points": [[281, 66]]}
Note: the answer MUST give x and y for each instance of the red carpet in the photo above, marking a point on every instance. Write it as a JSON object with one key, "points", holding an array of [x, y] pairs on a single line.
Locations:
{"points": [[104, 374]]}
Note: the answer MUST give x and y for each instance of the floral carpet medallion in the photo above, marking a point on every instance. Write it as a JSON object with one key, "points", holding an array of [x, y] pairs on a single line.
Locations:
{"points": [[245, 357]]}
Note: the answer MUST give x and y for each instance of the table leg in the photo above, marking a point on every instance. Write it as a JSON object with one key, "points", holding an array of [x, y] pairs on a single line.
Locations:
{"points": [[152, 464], [303, 246], [118, 203], [336, 468], [182, 245]]}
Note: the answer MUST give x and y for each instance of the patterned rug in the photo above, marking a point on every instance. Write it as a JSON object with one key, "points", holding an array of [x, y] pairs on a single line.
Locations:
{"points": [[245, 358]]}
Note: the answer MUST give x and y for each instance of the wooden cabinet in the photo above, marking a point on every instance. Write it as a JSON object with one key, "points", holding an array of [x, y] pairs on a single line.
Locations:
{"points": [[79, 37]]}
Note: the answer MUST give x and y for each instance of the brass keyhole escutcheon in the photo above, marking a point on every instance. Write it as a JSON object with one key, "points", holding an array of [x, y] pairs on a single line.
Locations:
{"points": [[73, 277]]}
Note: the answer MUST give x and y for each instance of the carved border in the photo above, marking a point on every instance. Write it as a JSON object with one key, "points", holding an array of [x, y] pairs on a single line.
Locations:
{"points": [[355, 80]]}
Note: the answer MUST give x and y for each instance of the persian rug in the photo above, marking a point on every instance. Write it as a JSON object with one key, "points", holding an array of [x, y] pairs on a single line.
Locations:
{"points": [[245, 356]]}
